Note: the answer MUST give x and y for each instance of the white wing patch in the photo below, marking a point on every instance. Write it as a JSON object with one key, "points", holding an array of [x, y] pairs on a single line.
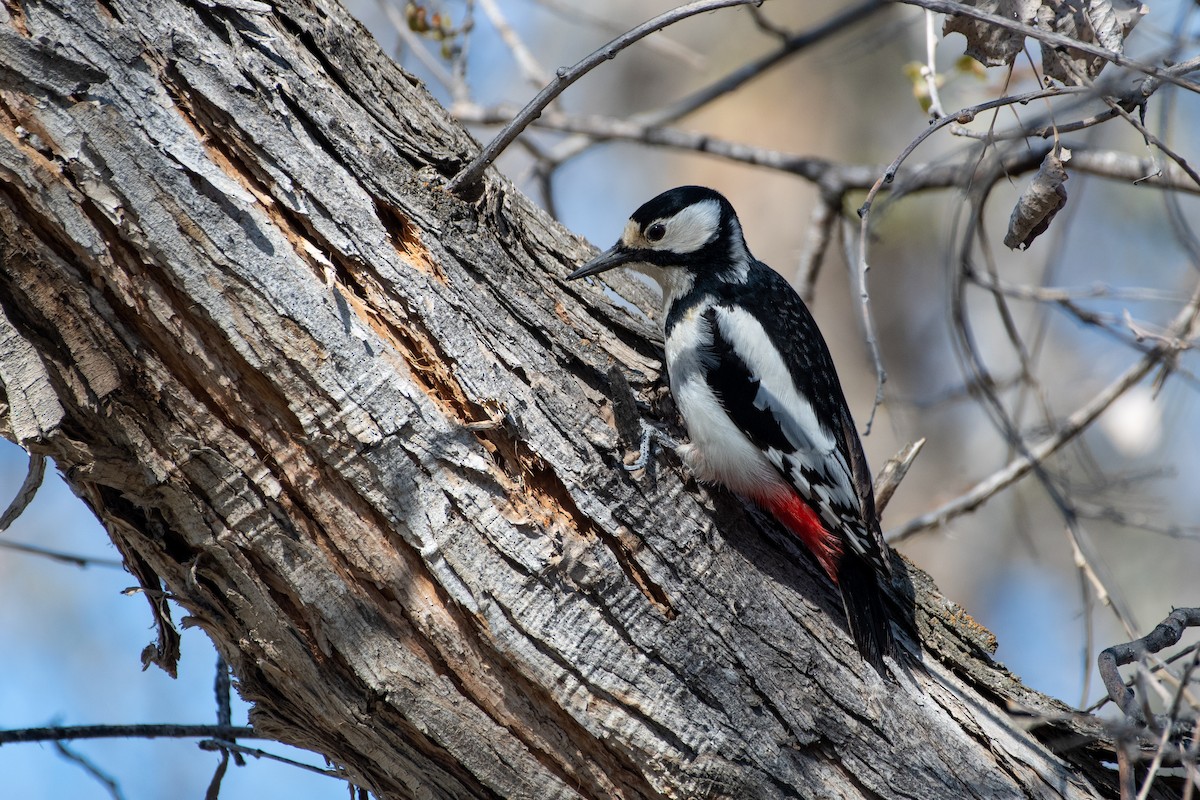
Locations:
{"points": [[719, 451], [817, 468], [777, 391]]}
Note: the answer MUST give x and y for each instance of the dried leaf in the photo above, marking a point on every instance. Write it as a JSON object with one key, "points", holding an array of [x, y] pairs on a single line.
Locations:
{"points": [[989, 44], [1040, 201], [1105, 23]]}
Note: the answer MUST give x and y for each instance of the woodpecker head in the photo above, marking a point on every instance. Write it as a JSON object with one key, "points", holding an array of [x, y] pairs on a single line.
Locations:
{"points": [[681, 236]]}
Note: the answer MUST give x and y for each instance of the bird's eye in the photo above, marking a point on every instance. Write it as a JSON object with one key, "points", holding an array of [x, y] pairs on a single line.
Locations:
{"points": [[656, 232]]}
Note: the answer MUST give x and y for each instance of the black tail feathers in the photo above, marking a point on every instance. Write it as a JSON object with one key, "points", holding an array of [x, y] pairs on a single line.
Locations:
{"points": [[865, 611]]}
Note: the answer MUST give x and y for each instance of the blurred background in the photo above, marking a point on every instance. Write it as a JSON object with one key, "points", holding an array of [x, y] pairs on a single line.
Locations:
{"points": [[1120, 261]]}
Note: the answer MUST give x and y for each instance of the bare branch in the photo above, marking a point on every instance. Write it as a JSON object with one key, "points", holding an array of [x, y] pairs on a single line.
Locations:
{"points": [[929, 68], [838, 177], [1074, 425], [820, 231], [888, 479], [961, 117], [663, 44], [33, 479], [58, 555], [103, 778], [628, 130], [1151, 139], [865, 316], [1161, 665], [254, 752], [214, 785], [60, 733], [864, 215], [1164, 635], [530, 68], [722, 86], [1166, 74], [744, 74], [471, 174]]}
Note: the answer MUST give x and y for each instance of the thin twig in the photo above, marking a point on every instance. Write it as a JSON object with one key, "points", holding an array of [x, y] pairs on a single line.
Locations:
{"points": [[1075, 424], [705, 95], [66, 558], [1085, 557], [841, 177], [1042, 132], [219, 744], [864, 211], [865, 316], [1112, 87], [214, 785], [1057, 40], [223, 692], [1138, 521], [962, 116], [1151, 139], [816, 243], [1161, 665], [530, 68], [1118, 328], [471, 174], [929, 70], [628, 130], [1059, 294], [789, 47], [765, 25], [103, 778], [60, 733], [573, 12]]}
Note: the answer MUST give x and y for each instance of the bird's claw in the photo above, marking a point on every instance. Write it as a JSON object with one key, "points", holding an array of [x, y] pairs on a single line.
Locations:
{"points": [[650, 436]]}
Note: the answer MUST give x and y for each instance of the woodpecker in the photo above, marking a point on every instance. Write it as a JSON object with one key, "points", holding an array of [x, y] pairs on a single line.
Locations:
{"points": [[759, 395]]}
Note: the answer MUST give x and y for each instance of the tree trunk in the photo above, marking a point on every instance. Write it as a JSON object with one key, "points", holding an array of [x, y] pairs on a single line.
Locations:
{"points": [[361, 431]]}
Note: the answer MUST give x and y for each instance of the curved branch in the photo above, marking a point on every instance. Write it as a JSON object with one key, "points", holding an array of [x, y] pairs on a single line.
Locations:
{"points": [[1165, 634]]}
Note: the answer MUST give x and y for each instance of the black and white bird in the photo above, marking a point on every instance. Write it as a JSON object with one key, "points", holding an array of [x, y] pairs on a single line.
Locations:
{"points": [[753, 378]]}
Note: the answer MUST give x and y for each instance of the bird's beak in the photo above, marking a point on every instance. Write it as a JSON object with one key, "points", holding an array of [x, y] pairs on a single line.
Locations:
{"points": [[615, 256]]}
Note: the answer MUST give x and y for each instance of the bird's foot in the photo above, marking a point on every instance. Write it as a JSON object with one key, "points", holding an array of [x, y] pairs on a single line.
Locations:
{"points": [[650, 437]]}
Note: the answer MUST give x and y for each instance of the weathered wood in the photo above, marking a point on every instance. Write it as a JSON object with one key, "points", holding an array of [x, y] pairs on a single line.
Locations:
{"points": [[359, 430]]}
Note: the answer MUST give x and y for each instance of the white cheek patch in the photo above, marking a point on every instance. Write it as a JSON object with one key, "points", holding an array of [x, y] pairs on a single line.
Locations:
{"points": [[691, 229]]}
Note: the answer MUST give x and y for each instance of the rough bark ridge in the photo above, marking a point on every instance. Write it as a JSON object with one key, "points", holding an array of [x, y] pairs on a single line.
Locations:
{"points": [[358, 429]]}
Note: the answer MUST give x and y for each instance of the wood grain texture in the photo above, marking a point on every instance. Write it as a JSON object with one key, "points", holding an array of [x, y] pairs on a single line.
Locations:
{"points": [[359, 430]]}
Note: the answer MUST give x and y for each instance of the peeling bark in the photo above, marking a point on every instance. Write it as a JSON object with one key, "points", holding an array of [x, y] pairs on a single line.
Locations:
{"points": [[360, 432]]}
